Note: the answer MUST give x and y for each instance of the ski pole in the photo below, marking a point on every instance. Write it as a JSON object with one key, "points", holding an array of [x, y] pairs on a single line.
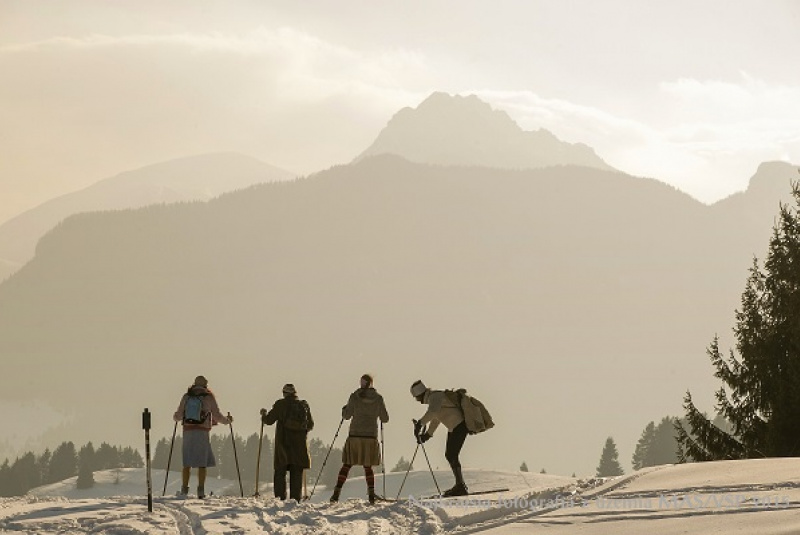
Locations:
{"points": [[383, 462], [258, 460], [235, 457], [410, 464], [169, 459], [326, 458], [305, 485], [431, 469]]}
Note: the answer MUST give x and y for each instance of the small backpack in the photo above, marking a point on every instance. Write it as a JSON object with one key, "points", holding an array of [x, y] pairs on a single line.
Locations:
{"points": [[297, 415], [193, 412], [476, 416]]}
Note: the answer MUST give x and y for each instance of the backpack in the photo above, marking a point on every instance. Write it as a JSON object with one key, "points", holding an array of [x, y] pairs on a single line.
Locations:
{"points": [[297, 415], [193, 412], [476, 416]]}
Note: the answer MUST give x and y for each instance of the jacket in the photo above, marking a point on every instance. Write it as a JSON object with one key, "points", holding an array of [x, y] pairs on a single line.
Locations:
{"points": [[365, 407], [291, 447], [441, 410], [210, 408]]}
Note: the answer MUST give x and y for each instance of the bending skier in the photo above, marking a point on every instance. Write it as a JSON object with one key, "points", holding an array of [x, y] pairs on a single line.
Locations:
{"points": [[365, 407], [198, 411], [442, 409], [294, 421]]}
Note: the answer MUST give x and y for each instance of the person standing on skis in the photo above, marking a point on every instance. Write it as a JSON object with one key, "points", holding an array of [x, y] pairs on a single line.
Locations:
{"points": [[198, 411], [442, 410], [365, 406], [294, 421]]}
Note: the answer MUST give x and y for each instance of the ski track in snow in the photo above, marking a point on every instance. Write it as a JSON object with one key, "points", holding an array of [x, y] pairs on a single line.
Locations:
{"points": [[590, 508]]}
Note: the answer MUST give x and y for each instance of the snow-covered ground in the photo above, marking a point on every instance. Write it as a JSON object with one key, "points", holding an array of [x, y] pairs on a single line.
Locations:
{"points": [[759, 496]]}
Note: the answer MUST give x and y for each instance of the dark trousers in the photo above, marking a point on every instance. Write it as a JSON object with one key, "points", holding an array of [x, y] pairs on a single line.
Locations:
{"points": [[455, 441], [295, 482]]}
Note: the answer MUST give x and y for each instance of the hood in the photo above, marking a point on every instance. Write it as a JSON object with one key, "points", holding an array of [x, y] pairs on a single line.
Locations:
{"points": [[368, 395]]}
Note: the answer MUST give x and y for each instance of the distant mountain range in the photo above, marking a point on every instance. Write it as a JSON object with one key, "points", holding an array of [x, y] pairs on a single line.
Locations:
{"points": [[605, 286], [576, 301], [195, 178], [456, 130]]}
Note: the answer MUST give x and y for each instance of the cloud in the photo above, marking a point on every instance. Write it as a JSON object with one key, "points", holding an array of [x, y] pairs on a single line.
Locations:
{"points": [[76, 110], [707, 137]]}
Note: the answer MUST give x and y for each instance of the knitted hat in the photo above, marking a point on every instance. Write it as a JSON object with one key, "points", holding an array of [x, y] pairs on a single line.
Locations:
{"points": [[418, 388], [289, 389], [200, 381]]}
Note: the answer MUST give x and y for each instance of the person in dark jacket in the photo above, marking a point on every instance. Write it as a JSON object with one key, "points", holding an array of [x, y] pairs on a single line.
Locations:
{"points": [[197, 450], [365, 407], [294, 421]]}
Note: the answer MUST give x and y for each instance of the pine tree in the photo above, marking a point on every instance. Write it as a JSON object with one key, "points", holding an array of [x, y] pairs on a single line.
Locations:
{"points": [[664, 447], [43, 466], [639, 459], [609, 461], [760, 396], [402, 466], [63, 463], [6, 480], [86, 467], [523, 467]]}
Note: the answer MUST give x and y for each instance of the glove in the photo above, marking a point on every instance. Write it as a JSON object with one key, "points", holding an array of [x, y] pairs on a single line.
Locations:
{"points": [[417, 428], [424, 437], [263, 412], [230, 418]]}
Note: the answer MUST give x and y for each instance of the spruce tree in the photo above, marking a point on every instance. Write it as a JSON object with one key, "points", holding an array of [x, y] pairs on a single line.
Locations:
{"points": [[523, 467], [609, 461], [639, 459], [402, 466], [86, 467], [63, 463], [760, 395]]}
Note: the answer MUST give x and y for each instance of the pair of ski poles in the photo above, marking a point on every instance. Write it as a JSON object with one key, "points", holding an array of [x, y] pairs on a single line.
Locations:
{"points": [[235, 457], [383, 460], [418, 434]]}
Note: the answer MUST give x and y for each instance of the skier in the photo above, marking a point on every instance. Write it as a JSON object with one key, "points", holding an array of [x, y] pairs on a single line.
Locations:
{"points": [[441, 409], [294, 421], [365, 407], [198, 411]]}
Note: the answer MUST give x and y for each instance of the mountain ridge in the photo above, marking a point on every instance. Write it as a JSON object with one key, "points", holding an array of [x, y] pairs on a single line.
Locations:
{"points": [[464, 130]]}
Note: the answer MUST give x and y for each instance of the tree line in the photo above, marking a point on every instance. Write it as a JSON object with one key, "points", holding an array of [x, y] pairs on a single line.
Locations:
{"points": [[30, 471]]}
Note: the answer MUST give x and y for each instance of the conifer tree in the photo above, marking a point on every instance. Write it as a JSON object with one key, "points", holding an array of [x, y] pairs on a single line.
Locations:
{"points": [[86, 467], [63, 463], [760, 395], [609, 461], [639, 459], [402, 465], [523, 467]]}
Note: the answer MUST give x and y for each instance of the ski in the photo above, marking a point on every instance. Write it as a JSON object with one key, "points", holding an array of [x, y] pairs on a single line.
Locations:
{"points": [[478, 493], [436, 497]]}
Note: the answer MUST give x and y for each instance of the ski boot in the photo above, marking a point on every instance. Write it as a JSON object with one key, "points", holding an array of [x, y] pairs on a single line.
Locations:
{"points": [[201, 493], [183, 492], [335, 495], [459, 489], [371, 495]]}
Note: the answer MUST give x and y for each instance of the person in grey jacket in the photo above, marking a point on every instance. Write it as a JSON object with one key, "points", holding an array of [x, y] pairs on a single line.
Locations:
{"points": [[442, 410], [365, 407]]}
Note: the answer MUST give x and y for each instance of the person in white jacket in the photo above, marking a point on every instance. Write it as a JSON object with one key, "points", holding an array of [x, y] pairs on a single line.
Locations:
{"points": [[443, 410]]}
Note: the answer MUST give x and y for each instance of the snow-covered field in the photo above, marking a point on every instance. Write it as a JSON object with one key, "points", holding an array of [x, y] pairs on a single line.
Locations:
{"points": [[758, 496]]}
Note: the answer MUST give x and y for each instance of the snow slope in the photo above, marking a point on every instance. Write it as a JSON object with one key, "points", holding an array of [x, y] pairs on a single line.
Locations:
{"points": [[758, 496]]}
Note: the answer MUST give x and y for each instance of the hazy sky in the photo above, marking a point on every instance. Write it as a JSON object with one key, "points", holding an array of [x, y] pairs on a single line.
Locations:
{"points": [[693, 93]]}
